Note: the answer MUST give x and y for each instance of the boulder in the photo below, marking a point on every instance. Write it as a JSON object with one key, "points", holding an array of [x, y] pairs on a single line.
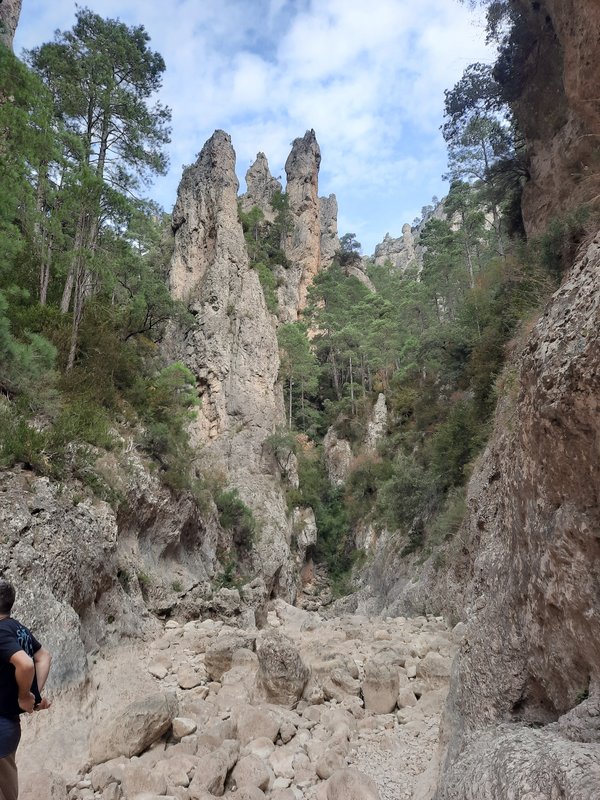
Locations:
{"points": [[212, 769], [256, 722], [282, 674], [219, 655], [43, 784], [135, 728], [251, 771], [137, 779], [380, 686], [350, 784]]}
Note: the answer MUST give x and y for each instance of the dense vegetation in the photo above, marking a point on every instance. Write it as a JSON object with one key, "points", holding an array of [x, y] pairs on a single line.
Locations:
{"points": [[434, 338], [84, 299], [83, 257]]}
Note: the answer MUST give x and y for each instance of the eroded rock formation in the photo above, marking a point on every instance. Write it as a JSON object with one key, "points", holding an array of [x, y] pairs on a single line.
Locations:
{"points": [[401, 252], [558, 109], [232, 349], [531, 651], [302, 245], [330, 243], [260, 188]]}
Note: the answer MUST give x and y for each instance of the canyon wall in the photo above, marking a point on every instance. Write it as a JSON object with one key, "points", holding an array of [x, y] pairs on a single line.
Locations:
{"points": [[524, 708], [526, 685], [558, 106]]}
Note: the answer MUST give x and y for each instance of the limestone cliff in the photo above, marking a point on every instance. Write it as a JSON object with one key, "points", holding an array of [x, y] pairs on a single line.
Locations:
{"points": [[232, 350], [89, 573], [557, 106], [531, 652], [401, 252], [302, 244], [330, 242], [260, 188], [10, 11]]}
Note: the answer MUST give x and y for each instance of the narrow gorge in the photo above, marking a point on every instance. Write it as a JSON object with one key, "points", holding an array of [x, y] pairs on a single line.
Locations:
{"points": [[300, 523]]}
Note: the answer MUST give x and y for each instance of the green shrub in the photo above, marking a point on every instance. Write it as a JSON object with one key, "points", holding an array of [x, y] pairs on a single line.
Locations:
{"points": [[21, 443], [450, 517], [558, 245], [455, 443], [235, 516], [405, 494]]}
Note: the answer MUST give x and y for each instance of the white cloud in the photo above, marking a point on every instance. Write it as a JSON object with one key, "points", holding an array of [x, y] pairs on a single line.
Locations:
{"points": [[367, 76]]}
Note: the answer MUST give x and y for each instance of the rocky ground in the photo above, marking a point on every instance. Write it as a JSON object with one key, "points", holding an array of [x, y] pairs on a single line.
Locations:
{"points": [[303, 709]]}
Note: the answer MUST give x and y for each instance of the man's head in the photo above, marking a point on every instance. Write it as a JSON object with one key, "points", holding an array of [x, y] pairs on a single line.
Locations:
{"points": [[7, 596]]}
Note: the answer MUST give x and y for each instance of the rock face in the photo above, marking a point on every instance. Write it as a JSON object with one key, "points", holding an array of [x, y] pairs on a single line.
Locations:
{"points": [[558, 109], [402, 252], [531, 649], [10, 11], [338, 457], [261, 186], [377, 424], [330, 243], [232, 349], [302, 245]]}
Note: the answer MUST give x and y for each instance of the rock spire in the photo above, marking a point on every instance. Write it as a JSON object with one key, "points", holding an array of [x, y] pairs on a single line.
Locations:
{"points": [[232, 348], [261, 186], [302, 245]]}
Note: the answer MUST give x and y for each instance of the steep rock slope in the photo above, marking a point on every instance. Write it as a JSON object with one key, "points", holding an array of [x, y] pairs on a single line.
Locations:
{"points": [[558, 107], [302, 245], [232, 349], [531, 652]]}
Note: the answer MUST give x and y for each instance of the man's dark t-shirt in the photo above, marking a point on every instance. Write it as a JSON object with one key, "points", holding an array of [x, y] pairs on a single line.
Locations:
{"points": [[14, 637]]}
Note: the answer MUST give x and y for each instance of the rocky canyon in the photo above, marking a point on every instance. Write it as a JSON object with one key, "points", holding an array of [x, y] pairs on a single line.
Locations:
{"points": [[364, 564]]}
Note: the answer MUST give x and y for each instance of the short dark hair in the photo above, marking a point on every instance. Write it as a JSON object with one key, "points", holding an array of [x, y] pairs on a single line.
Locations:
{"points": [[7, 596]]}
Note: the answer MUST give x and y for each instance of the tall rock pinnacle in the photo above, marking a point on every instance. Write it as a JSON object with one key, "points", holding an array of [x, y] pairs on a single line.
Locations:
{"points": [[302, 244], [232, 348]]}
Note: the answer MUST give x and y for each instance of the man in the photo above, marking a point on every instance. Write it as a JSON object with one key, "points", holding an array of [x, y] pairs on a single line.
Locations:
{"points": [[24, 667]]}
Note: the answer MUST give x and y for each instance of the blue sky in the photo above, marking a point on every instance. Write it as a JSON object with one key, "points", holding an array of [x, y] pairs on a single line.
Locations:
{"points": [[367, 75]]}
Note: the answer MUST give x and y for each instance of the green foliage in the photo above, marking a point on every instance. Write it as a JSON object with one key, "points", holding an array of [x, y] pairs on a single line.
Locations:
{"points": [[363, 486], [405, 494], [264, 243], [335, 545], [169, 399], [557, 247], [235, 516], [449, 518], [299, 372]]}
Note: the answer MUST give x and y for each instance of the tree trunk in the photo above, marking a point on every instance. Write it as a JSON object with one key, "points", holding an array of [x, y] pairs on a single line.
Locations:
{"points": [[352, 387], [290, 408]]}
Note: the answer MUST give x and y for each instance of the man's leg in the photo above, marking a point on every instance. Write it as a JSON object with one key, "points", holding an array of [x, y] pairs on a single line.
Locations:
{"points": [[9, 784]]}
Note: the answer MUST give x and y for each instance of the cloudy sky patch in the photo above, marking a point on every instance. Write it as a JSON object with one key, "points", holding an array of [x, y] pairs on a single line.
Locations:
{"points": [[367, 75]]}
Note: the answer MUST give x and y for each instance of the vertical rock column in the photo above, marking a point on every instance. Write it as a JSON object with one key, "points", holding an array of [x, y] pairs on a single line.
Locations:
{"points": [[232, 348], [330, 242], [302, 245]]}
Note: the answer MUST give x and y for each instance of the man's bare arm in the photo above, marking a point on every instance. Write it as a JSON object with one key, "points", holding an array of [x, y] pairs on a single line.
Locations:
{"points": [[43, 660], [24, 674]]}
